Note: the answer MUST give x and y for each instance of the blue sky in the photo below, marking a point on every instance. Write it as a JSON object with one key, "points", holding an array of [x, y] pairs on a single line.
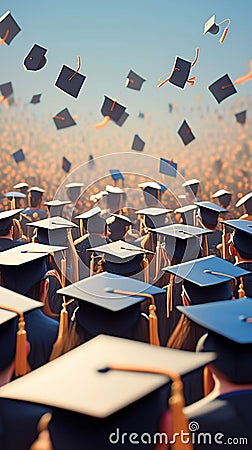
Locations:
{"points": [[112, 37]]}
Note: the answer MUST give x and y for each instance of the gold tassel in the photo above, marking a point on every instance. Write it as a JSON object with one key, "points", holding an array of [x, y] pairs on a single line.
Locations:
{"points": [[169, 296], [146, 268], [63, 271], [158, 259], [179, 422], [207, 381], [153, 320], [241, 291], [43, 441], [13, 203], [92, 264], [63, 329]]}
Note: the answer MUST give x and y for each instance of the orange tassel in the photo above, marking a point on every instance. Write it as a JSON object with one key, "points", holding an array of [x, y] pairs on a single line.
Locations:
{"points": [[43, 442], [63, 329], [241, 291], [224, 34], [21, 367], [169, 296], [92, 264], [5, 37], [103, 123], [207, 381], [146, 268]]}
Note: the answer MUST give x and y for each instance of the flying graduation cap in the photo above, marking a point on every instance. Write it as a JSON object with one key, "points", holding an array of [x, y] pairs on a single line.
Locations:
{"points": [[66, 165], [185, 133], [63, 119], [241, 117], [70, 80], [6, 91], [213, 28], [35, 99], [8, 28], [116, 174], [19, 155], [179, 75], [168, 167], [222, 88], [35, 60], [134, 81], [111, 110], [138, 144]]}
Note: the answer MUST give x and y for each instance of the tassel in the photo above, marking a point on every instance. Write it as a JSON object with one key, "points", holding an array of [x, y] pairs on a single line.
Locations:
{"points": [[207, 381], [158, 259], [63, 271], [63, 329], [5, 37], [92, 264], [103, 123], [43, 441], [241, 291], [224, 34], [146, 268], [169, 296], [21, 354]]}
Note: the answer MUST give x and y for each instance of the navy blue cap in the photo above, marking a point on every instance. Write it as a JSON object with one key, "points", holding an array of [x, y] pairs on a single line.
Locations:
{"points": [[70, 81], [117, 226], [35, 60], [19, 155], [241, 117], [116, 174], [8, 27], [118, 252], [210, 26], [223, 196], [242, 238], [56, 206], [209, 212], [6, 89], [188, 214], [137, 144], [180, 72], [66, 164], [246, 200], [222, 88], [154, 217], [63, 119], [52, 230], [122, 119], [134, 81], [181, 231], [94, 222], [185, 133], [113, 109], [35, 99], [168, 167]]}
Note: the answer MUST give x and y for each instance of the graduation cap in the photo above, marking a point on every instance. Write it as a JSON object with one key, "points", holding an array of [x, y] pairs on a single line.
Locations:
{"points": [[223, 196], [74, 190], [122, 119], [188, 214], [19, 155], [13, 196], [70, 80], [13, 305], [55, 207], [209, 212], [152, 188], [207, 279], [180, 72], [134, 81], [93, 220], [52, 230], [63, 119], [35, 194], [8, 28], [114, 198], [117, 226], [246, 200], [6, 218], [116, 174], [35, 99], [222, 88], [242, 237], [66, 165], [191, 185], [154, 217], [137, 144], [111, 109], [35, 60], [23, 187], [213, 28], [241, 117], [185, 133], [25, 265], [6, 90], [168, 167], [229, 335]]}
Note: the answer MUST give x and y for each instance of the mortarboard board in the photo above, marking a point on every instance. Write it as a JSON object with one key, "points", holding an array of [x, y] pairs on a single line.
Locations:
{"points": [[137, 144], [117, 388], [180, 72], [122, 119], [152, 185], [19, 155], [168, 167], [188, 213], [94, 222], [70, 81], [63, 119], [246, 200], [213, 28], [52, 230], [222, 88], [56, 206], [35, 60], [191, 185], [74, 190], [21, 185], [118, 252], [242, 238], [185, 133], [116, 174], [5, 215], [134, 81], [35, 99], [223, 196], [12, 196], [111, 109], [113, 189], [209, 212], [25, 265], [6, 89], [66, 165], [241, 117], [35, 192], [154, 217], [8, 28], [12, 304], [229, 334], [117, 225]]}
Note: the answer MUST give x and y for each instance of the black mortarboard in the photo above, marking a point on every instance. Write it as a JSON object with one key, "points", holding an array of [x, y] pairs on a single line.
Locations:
{"points": [[185, 133], [154, 217], [168, 167], [6, 89], [56, 206], [223, 196], [134, 81], [242, 237], [66, 165], [246, 200], [122, 119], [74, 190], [19, 155], [138, 144], [152, 188], [35, 192], [70, 81], [8, 27], [63, 119], [6, 215], [114, 198], [52, 230], [118, 252], [191, 185], [209, 212], [23, 187], [35, 60], [222, 88], [116, 174], [241, 117], [117, 226], [180, 72], [229, 335], [94, 222], [25, 265], [35, 99], [188, 214], [112, 109]]}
